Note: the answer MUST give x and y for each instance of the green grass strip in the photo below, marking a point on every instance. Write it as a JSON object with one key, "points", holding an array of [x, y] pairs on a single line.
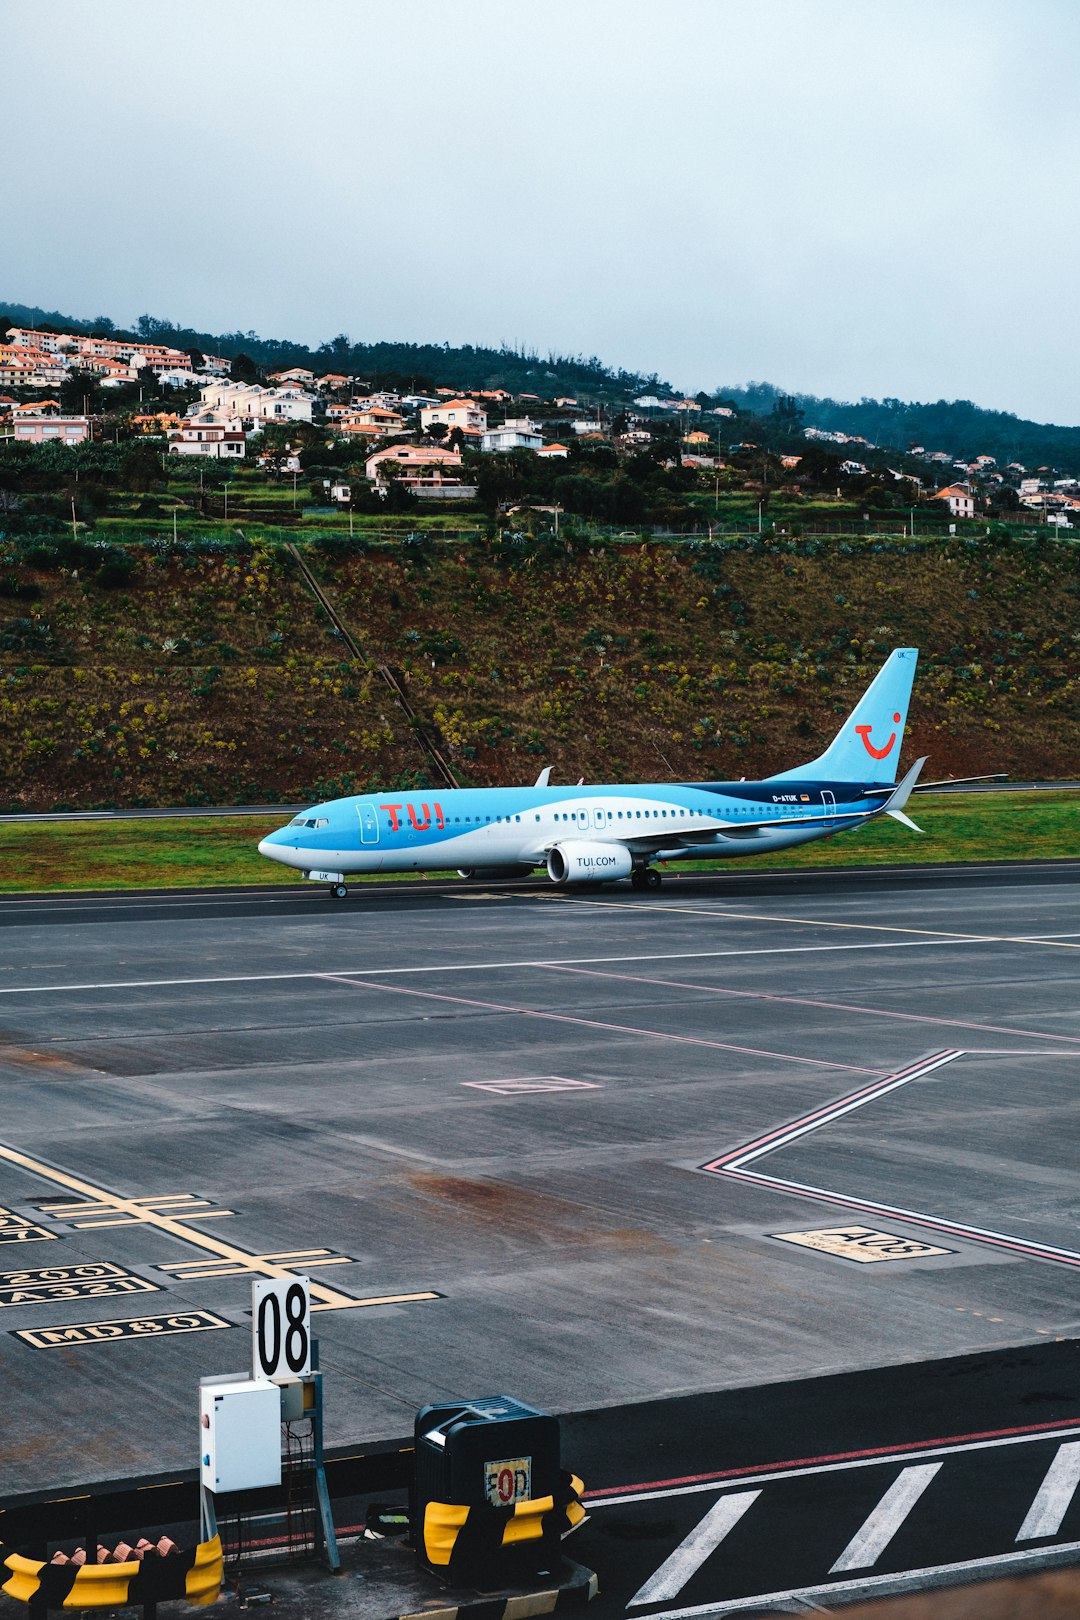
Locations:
{"points": [[204, 851]]}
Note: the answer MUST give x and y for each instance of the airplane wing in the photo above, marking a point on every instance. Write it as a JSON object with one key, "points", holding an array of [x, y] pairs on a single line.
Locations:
{"points": [[676, 838]]}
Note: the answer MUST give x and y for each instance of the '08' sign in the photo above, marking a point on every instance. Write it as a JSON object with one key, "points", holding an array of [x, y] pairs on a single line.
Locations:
{"points": [[281, 1329]]}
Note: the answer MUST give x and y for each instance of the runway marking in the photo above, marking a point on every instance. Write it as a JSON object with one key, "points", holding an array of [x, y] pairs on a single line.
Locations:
{"points": [[590, 1023], [873, 1536], [691, 1553], [1004, 1563], [530, 1085], [91, 1214], [136, 1327], [17, 1229], [1054, 1495], [861, 1244], [491, 967], [717, 914], [833, 1462], [323, 1298], [46, 1285], [734, 1164], [813, 1001]]}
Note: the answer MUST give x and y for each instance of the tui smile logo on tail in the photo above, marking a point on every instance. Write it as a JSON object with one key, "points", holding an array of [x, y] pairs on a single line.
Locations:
{"points": [[877, 753]]}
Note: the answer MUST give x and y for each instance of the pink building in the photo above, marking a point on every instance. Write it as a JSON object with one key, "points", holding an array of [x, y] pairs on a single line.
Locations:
{"points": [[45, 429]]}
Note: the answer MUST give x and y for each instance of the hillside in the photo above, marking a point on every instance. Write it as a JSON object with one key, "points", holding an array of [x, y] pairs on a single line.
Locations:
{"points": [[412, 365], [963, 429], [957, 427], [215, 677]]}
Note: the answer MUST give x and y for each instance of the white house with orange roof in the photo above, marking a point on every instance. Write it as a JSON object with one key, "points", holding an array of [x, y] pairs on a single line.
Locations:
{"points": [[373, 422], [295, 377], [552, 452], [22, 367], [465, 414], [428, 470], [959, 499]]}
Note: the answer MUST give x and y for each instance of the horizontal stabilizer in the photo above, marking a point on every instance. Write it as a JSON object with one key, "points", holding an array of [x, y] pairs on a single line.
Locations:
{"points": [[900, 815]]}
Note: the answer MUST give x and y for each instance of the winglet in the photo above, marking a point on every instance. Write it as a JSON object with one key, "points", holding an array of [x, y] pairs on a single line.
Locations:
{"points": [[894, 804], [544, 778]]}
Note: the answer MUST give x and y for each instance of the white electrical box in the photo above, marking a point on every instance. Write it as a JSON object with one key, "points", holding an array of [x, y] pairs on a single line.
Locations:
{"points": [[240, 1434]]}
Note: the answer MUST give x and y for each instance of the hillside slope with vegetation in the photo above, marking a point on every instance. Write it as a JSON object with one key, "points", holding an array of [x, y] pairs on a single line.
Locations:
{"points": [[206, 672]]}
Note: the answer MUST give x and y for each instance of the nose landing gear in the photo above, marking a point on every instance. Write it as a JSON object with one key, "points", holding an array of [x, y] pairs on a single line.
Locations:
{"points": [[645, 877]]}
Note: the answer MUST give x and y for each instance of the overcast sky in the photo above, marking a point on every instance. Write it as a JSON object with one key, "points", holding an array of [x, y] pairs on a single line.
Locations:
{"points": [[839, 196]]}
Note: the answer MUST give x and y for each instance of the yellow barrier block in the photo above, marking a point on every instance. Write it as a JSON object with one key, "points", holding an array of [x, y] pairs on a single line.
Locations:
{"points": [[527, 1522], [102, 1586], [203, 1584], [442, 1525], [23, 1582]]}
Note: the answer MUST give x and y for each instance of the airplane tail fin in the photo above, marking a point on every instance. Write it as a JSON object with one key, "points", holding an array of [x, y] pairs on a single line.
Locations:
{"points": [[867, 746]]}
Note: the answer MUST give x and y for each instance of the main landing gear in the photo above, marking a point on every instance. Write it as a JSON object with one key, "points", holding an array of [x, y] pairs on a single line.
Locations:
{"points": [[339, 891], [645, 877]]}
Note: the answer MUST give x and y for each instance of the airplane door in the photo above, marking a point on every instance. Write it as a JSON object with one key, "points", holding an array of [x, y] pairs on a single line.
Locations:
{"points": [[828, 801], [369, 822]]}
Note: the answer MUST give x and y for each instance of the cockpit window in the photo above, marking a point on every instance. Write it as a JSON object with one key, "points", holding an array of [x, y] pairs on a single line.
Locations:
{"points": [[310, 821]]}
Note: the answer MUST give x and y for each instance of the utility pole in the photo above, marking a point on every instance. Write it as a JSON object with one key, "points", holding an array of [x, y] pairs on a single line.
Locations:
{"points": [[226, 500], [74, 525], [174, 525], [294, 489]]}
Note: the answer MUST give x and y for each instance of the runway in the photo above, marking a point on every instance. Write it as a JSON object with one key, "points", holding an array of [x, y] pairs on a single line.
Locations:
{"points": [[590, 1148]]}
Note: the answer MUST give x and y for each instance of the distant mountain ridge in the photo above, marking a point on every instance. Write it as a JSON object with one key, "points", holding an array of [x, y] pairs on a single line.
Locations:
{"points": [[959, 427]]}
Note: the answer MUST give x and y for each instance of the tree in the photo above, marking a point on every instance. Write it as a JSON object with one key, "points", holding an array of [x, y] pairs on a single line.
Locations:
{"points": [[244, 369], [197, 358]]}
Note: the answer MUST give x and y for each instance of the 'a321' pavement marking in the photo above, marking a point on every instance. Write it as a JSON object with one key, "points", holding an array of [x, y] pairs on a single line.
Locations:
{"points": [[739, 1164], [230, 1259]]}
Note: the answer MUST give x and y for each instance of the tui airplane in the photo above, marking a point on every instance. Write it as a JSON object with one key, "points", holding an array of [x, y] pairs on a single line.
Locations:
{"points": [[588, 834]]}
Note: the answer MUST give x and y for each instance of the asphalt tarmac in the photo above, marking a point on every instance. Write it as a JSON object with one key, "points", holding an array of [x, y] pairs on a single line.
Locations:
{"points": [[591, 1148]]}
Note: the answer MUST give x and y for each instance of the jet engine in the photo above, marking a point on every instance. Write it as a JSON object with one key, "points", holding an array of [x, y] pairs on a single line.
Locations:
{"points": [[581, 862]]}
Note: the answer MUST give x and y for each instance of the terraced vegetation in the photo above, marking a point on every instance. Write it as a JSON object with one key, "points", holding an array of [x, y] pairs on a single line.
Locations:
{"points": [[205, 672]]}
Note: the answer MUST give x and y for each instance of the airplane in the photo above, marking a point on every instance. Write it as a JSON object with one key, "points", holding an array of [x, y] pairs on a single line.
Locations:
{"points": [[601, 834]]}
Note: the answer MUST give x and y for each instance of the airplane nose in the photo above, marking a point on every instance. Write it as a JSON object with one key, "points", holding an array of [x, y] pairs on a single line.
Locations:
{"points": [[270, 848]]}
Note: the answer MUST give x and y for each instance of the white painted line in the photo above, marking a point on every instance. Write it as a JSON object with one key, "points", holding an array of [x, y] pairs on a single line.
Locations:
{"points": [[486, 967], [960, 1448], [870, 1541], [930, 1575], [690, 1554], [1053, 1496]]}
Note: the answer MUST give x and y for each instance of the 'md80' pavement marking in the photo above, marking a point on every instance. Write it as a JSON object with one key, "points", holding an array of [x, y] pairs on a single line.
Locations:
{"points": [[50, 1284], [139, 1327], [16, 1229], [861, 1243]]}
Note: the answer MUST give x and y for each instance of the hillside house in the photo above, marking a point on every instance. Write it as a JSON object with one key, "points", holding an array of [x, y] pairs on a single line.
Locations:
{"points": [[455, 413], [375, 422], [220, 443], [295, 377], [427, 470], [959, 499], [551, 452], [30, 368], [250, 402], [47, 429], [512, 435]]}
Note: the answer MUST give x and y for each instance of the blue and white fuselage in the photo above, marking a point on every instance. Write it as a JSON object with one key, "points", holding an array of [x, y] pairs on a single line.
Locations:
{"points": [[603, 833]]}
